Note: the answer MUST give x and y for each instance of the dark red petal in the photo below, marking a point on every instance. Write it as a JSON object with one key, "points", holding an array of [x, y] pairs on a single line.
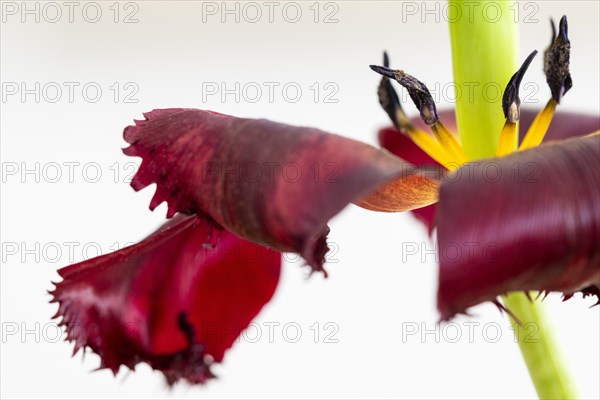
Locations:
{"points": [[528, 221], [177, 300], [267, 182], [401, 145], [426, 215]]}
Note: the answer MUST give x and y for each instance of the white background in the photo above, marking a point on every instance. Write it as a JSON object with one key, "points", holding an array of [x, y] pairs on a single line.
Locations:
{"points": [[370, 295]]}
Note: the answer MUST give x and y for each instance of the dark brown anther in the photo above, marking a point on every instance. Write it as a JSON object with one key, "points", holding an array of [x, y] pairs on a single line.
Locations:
{"points": [[511, 102], [556, 61], [416, 89], [388, 98]]}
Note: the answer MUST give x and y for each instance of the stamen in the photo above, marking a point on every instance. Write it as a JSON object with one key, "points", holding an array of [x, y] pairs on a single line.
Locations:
{"points": [[556, 68], [511, 102], [449, 142], [389, 101], [431, 146], [556, 61], [388, 98], [416, 89], [508, 139], [511, 105], [538, 128], [593, 133], [450, 151]]}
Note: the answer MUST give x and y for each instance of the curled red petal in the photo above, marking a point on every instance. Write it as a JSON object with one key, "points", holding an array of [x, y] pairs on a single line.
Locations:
{"points": [[528, 221], [268, 182], [177, 300]]}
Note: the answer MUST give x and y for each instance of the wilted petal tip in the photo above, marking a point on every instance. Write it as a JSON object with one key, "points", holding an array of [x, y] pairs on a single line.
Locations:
{"points": [[315, 251], [588, 291]]}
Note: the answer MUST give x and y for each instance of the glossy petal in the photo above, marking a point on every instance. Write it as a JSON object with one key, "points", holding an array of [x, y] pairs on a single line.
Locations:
{"points": [[268, 182], [177, 300], [528, 221]]}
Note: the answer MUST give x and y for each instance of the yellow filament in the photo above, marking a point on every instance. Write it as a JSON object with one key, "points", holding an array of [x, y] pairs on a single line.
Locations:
{"points": [[539, 126], [593, 134], [449, 143], [430, 146], [508, 139], [402, 119]]}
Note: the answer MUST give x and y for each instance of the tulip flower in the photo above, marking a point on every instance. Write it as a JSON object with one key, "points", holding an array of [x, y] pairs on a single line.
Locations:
{"points": [[534, 223], [242, 191], [498, 247]]}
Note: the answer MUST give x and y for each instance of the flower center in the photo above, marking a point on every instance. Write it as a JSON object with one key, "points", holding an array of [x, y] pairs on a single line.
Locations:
{"points": [[444, 146]]}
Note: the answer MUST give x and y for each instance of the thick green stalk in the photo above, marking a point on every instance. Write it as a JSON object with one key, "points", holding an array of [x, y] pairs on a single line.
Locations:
{"points": [[484, 57], [538, 347], [485, 47]]}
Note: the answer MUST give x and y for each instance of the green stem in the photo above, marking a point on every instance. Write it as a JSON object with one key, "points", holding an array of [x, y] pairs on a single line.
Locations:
{"points": [[484, 57], [546, 368], [485, 47]]}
